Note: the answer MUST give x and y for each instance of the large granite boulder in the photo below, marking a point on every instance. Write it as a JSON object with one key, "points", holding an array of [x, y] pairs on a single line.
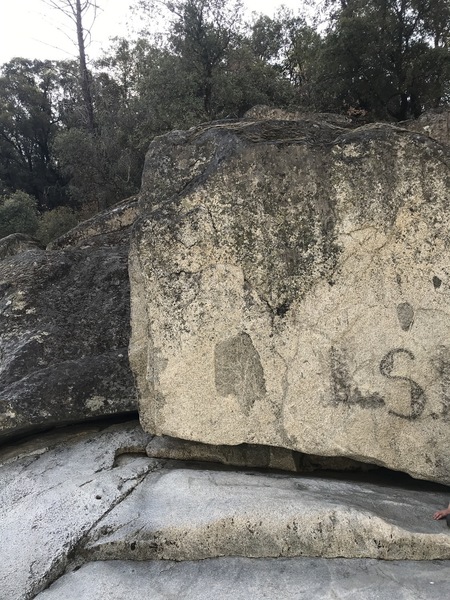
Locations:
{"points": [[290, 287], [64, 329]]}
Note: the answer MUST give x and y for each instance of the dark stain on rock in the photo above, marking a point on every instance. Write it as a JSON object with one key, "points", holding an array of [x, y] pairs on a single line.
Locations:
{"points": [[437, 282], [405, 314], [282, 309], [343, 390], [441, 363], [418, 398], [238, 371]]}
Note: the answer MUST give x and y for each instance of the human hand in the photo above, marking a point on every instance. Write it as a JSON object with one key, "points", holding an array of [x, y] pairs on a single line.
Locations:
{"points": [[441, 514]]}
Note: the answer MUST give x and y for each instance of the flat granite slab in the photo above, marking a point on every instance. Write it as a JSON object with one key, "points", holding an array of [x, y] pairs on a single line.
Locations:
{"points": [[255, 579], [76, 496], [191, 514]]}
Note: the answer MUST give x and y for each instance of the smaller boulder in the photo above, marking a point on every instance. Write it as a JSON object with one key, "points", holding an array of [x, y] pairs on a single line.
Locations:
{"points": [[17, 242], [65, 326]]}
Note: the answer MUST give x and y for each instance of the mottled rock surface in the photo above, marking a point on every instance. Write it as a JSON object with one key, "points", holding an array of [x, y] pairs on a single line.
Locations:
{"points": [[16, 243], [74, 498], [64, 331], [434, 123], [290, 287]]}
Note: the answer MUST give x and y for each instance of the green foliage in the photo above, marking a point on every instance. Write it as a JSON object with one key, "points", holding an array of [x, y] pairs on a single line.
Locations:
{"points": [[97, 165], [202, 35], [54, 223], [295, 51], [18, 214], [390, 57], [27, 127]]}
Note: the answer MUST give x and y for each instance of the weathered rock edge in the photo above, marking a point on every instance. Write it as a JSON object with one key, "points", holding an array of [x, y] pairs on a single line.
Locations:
{"points": [[193, 514], [290, 288], [249, 455]]}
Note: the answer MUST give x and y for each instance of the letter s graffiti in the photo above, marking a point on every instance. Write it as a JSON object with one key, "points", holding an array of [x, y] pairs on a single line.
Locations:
{"points": [[418, 398]]}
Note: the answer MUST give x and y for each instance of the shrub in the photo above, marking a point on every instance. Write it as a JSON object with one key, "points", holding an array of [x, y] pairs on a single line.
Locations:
{"points": [[54, 223], [18, 214]]}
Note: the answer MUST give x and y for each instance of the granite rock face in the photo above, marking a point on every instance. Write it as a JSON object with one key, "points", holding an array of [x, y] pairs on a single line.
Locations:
{"points": [[64, 333], [290, 287], [434, 123]]}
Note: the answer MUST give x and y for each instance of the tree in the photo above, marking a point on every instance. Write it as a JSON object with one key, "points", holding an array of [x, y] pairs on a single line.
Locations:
{"points": [[135, 92], [202, 34], [292, 47], [388, 56], [76, 11], [54, 223], [29, 120], [18, 214]]}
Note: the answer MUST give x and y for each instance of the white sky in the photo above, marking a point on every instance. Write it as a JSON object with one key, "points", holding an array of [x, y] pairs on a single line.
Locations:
{"points": [[30, 29]]}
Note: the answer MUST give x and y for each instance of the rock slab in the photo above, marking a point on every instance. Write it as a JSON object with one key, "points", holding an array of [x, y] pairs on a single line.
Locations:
{"points": [[86, 494], [52, 492], [194, 514], [244, 578], [64, 332], [290, 287]]}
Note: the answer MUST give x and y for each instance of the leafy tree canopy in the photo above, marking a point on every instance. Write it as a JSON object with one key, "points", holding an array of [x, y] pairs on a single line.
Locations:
{"points": [[75, 135]]}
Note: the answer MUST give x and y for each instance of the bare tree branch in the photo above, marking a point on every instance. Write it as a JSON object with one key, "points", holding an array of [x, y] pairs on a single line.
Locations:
{"points": [[76, 10]]}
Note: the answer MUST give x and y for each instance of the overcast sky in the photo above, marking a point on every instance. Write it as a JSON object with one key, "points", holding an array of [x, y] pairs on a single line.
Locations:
{"points": [[30, 29]]}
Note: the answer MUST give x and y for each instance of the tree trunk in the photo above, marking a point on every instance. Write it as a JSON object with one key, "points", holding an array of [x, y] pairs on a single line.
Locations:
{"points": [[84, 72]]}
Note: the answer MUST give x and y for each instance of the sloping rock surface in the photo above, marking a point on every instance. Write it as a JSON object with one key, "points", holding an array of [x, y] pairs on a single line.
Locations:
{"points": [[108, 228], [64, 332], [290, 288], [16, 243], [75, 497], [52, 492]]}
